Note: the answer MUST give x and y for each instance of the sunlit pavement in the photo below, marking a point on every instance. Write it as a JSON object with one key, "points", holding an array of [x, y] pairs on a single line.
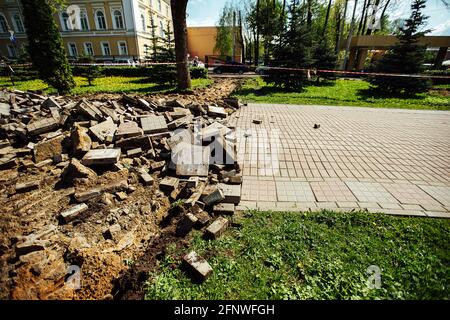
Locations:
{"points": [[383, 160]]}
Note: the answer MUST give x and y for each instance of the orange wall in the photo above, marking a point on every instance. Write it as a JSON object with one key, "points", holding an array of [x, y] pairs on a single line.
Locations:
{"points": [[202, 40]]}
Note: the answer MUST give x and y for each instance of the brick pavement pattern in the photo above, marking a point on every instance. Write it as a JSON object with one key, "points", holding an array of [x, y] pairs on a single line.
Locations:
{"points": [[383, 160]]}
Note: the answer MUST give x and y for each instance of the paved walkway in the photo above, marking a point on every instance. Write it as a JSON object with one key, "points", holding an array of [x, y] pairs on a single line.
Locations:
{"points": [[385, 160]]}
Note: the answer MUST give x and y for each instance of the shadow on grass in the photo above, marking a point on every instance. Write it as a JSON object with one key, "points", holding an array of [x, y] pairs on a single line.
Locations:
{"points": [[374, 93]]}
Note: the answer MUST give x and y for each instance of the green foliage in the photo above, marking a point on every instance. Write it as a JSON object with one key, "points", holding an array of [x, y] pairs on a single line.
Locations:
{"points": [[224, 36], [341, 93], [46, 46], [199, 73], [323, 255], [294, 51], [407, 57], [163, 74], [163, 47], [90, 72]]}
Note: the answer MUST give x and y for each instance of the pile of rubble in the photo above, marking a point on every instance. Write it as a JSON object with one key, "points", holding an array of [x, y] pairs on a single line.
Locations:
{"points": [[103, 151]]}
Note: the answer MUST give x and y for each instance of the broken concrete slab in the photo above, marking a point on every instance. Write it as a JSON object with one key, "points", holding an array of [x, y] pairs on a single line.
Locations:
{"points": [[154, 124], [186, 223], [73, 213], [169, 184], [215, 196], [48, 149], [232, 193], [5, 109], [146, 178], [81, 142], [217, 112], [101, 157], [104, 131], [95, 192], [128, 130], [199, 267], [143, 142], [191, 160], [217, 228], [27, 186], [224, 208], [42, 126]]}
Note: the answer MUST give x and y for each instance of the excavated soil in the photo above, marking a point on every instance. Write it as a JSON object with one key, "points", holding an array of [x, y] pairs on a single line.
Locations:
{"points": [[103, 260]]}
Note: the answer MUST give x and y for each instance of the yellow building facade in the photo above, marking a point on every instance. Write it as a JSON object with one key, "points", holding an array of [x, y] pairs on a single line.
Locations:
{"points": [[116, 30]]}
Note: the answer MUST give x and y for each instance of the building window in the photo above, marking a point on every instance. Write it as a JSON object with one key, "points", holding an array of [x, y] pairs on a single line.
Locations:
{"points": [[88, 49], [123, 49], [118, 19], [101, 21], [73, 52], [106, 50], [12, 51], [167, 11], [65, 21], [161, 29], [143, 23], [3, 24], [159, 6], [84, 21], [18, 24]]}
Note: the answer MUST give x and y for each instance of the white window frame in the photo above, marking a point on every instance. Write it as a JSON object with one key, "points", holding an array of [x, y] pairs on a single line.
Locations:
{"points": [[84, 12], [16, 26], [69, 45], [120, 50], [86, 51], [97, 25], [159, 6], [103, 48], [113, 15], [143, 20], [6, 24], [161, 27], [64, 26]]}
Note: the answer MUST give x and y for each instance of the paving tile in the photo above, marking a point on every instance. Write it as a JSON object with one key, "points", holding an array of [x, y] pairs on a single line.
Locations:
{"points": [[410, 194], [440, 193], [371, 192], [332, 191], [294, 191]]}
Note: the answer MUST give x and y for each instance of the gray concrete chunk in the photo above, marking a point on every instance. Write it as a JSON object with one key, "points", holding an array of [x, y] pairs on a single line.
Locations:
{"points": [[199, 267], [73, 212], [217, 228], [101, 156], [154, 124]]}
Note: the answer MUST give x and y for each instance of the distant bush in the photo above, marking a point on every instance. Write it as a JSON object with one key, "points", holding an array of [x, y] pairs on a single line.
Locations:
{"points": [[162, 74], [199, 73], [444, 73]]}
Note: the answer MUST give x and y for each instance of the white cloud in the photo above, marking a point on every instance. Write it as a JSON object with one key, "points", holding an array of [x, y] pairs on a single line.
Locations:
{"points": [[441, 29], [203, 22]]}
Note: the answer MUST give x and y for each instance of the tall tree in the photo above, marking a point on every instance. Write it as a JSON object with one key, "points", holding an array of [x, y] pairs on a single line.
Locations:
{"points": [[257, 33], [45, 46], [342, 27], [224, 36], [181, 50], [407, 50], [327, 17]]}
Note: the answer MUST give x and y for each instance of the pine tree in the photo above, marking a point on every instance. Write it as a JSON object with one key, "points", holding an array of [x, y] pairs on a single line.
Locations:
{"points": [[166, 45], [406, 57], [46, 46], [154, 40], [294, 51]]}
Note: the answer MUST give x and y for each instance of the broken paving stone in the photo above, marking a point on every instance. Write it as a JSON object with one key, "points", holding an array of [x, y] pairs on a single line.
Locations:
{"points": [[5, 109], [42, 126], [122, 196], [157, 165], [48, 149], [186, 223], [224, 208], [217, 228], [133, 153], [191, 160], [73, 212], [30, 245], [104, 131], [199, 267], [89, 110], [169, 184], [113, 232], [128, 130], [232, 193], [81, 142], [237, 179], [154, 124], [217, 112], [147, 179], [143, 142], [214, 197], [76, 170], [27, 186], [51, 103], [257, 120], [96, 192], [101, 157]]}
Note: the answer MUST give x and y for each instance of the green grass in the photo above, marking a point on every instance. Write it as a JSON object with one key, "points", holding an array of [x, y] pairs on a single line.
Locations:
{"points": [[341, 93], [321, 255], [101, 85]]}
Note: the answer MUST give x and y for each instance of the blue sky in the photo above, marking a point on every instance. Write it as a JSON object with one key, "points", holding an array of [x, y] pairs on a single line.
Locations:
{"points": [[206, 13]]}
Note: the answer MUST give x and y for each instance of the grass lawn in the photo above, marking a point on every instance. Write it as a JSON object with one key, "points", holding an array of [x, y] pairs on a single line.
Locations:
{"points": [[321, 255], [343, 93], [101, 85]]}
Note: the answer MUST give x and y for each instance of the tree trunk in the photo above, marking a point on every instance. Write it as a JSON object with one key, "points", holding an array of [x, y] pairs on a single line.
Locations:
{"points": [[241, 38], [257, 34], [361, 22], [326, 19], [181, 51], [341, 28], [309, 15], [384, 10], [349, 39], [373, 18]]}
